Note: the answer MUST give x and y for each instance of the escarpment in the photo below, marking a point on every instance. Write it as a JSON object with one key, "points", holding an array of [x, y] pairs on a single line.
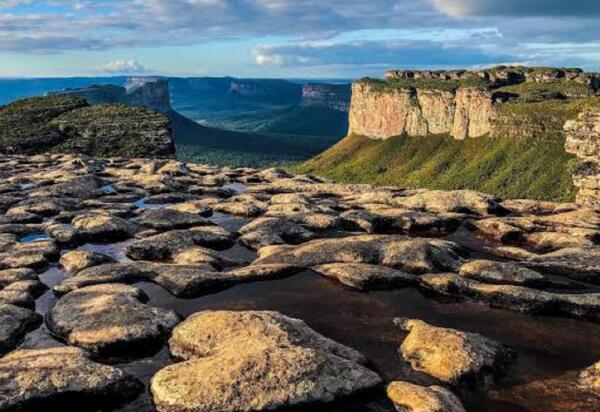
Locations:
{"points": [[583, 140], [333, 96], [145, 92], [462, 104], [68, 124]]}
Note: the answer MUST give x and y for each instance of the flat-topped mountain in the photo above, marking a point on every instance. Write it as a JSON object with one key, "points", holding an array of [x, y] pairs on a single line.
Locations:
{"points": [[499, 130], [138, 91], [68, 124]]}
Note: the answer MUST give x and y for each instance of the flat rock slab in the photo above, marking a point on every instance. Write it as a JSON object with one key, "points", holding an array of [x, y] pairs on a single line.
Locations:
{"points": [[575, 263], [584, 305], [410, 255], [58, 378], [163, 246], [170, 219], [108, 319], [455, 357], [16, 322], [103, 227], [77, 260], [255, 361], [184, 281], [589, 378], [273, 231], [408, 397], [37, 254], [365, 277]]}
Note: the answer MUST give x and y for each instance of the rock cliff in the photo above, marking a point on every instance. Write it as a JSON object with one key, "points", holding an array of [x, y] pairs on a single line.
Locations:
{"points": [[583, 140], [462, 113], [333, 96], [138, 91], [461, 103], [150, 93], [67, 124]]}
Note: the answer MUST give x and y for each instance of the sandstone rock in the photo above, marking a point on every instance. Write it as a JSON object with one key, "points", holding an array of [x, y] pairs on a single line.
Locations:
{"points": [[165, 245], [110, 318], [461, 201], [22, 293], [590, 378], [503, 273], [366, 277], [38, 379], [170, 219], [77, 260], [575, 263], [16, 322], [519, 298], [455, 357], [35, 255], [408, 397], [410, 255], [273, 231], [284, 364], [99, 227]]}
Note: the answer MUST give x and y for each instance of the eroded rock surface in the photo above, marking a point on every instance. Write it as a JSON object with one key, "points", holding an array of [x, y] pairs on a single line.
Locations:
{"points": [[455, 357], [47, 378], [408, 397], [16, 322], [284, 364]]}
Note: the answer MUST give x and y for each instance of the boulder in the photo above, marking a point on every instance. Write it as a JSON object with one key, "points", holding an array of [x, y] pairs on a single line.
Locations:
{"points": [[283, 364], [365, 277], [589, 378], [110, 318], [406, 254], [170, 219], [461, 201], [408, 397], [45, 379], [163, 246], [103, 227], [77, 260], [273, 231], [584, 305], [16, 322], [455, 357], [504, 273]]}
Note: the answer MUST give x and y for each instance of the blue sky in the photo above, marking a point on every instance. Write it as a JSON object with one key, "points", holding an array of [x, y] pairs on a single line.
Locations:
{"points": [[291, 38]]}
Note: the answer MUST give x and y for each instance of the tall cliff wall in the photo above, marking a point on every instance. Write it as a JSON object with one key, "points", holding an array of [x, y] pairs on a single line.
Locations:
{"points": [[144, 92], [461, 113], [583, 140], [497, 102]]}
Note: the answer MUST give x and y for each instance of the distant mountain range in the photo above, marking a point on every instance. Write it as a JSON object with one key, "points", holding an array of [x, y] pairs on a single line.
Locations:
{"points": [[222, 120]]}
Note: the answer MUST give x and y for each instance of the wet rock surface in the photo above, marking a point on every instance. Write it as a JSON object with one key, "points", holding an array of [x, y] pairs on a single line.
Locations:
{"points": [[112, 251], [284, 363], [31, 379]]}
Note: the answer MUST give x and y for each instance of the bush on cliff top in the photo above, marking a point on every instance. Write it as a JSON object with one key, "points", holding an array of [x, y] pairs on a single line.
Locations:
{"points": [[388, 85], [535, 168]]}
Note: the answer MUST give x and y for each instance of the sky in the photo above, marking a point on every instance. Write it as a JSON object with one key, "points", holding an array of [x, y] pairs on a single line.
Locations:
{"points": [[291, 38]]}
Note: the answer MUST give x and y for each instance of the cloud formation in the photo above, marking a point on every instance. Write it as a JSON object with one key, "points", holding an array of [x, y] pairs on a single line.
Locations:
{"points": [[123, 67], [315, 33]]}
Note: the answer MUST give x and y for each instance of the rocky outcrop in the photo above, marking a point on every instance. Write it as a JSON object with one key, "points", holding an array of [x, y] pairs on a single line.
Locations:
{"points": [[333, 96], [583, 140], [461, 113], [462, 103], [150, 93], [145, 92], [69, 125], [256, 361]]}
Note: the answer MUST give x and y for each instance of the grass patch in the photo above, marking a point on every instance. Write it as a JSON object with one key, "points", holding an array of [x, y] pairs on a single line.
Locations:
{"points": [[535, 168]]}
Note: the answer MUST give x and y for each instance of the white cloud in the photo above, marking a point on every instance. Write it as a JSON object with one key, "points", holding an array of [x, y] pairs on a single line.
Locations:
{"points": [[123, 67], [13, 3]]}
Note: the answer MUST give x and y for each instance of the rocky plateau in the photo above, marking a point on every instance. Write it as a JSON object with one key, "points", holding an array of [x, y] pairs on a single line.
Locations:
{"points": [[139, 285]]}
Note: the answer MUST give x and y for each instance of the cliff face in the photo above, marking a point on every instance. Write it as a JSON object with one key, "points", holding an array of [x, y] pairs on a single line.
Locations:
{"points": [[145, 92], [150, 93], [461, 113], [583, 140], [67, 124], [498, 102], [333, 96]]}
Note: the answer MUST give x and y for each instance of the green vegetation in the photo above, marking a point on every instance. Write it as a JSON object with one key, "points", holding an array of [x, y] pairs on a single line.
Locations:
{"points": [[197, 143], [535, 168], [25, 125], [390, 85], [537, 92]]}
